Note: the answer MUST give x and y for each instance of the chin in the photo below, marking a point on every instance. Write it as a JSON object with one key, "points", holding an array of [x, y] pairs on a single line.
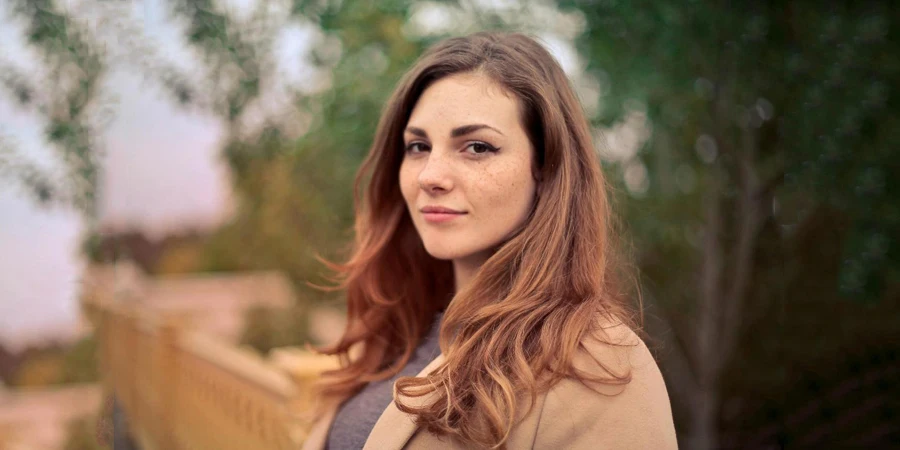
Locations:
{"points": [[442, 254], [445, 252]]}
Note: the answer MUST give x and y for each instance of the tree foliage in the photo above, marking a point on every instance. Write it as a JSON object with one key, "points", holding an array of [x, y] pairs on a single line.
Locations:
{"points": [[766, 199], [55, 364], [266, 328], [67, 101], [80, 363]]}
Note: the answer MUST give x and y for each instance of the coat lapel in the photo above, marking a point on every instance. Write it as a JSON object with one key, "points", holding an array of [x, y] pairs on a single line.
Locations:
{"points": [[394, 428]]}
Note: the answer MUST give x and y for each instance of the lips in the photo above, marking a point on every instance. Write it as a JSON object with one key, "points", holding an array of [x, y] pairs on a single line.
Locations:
{"points": [[440, 210], [440, 214]]}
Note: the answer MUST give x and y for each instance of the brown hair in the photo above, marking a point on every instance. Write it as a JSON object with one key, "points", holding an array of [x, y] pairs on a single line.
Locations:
{"points": [[517, 326]]}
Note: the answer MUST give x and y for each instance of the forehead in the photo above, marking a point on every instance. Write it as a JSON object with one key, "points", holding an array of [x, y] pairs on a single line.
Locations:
{"points": [[463, 99]]}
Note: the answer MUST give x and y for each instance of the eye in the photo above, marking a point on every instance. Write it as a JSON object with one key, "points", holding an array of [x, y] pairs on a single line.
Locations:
{"points": [[480, 148], [416, 147]]}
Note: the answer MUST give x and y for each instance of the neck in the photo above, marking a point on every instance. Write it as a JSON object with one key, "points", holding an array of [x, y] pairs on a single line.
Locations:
{"points": [[464, 269]]}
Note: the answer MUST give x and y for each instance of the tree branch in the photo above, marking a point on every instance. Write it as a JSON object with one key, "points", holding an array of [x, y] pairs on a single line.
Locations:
{"points": [[708, 330], [751, 215]]}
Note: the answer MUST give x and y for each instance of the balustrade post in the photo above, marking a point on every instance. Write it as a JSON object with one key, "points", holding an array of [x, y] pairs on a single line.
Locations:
{"points": [[130, 365], [168, 382]]}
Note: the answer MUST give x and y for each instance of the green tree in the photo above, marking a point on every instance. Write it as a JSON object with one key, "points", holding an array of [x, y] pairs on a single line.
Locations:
{"points": [[66, 100], [266, 328], [44, 368], [768, 121], [260, 330], [80, 362]]}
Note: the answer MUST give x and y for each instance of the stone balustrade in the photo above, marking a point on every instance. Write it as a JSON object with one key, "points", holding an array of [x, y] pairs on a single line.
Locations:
{"points": [[182, 390]]}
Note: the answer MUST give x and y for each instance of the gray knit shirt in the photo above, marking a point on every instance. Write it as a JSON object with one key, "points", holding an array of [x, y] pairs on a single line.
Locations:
{"points": [[357, 416]]}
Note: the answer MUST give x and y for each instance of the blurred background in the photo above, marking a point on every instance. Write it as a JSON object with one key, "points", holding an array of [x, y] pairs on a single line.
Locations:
{"points": [[179, 165]]}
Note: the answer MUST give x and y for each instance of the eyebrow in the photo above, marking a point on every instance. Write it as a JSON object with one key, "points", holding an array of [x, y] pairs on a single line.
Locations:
{"points": [[456, 132]]}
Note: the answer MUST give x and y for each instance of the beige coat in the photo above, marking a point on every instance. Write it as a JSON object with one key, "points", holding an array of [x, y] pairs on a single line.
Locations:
{"points": [[568, 416]]}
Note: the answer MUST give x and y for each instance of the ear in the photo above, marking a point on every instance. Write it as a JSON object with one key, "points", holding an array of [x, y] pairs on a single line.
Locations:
{"points": [[538, 183], [537, 176], [537, 165]]}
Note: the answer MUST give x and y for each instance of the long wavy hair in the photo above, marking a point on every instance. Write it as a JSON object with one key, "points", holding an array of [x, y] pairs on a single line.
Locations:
{"points": [[515, 329]]}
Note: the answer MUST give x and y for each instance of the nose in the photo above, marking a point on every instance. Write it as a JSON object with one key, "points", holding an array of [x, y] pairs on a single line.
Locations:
{"points": [[436, 175]]}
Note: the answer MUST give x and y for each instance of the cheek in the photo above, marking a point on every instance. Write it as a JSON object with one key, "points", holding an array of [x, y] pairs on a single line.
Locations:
{"points": [[407, 181], [523, 195], [509, 191]]}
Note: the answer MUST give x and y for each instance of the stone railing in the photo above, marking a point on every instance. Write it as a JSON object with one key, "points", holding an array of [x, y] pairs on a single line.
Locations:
{"points": [[181, 390]]}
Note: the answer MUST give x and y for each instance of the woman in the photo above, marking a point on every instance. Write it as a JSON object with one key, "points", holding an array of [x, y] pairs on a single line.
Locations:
{"points": [[482, 310]]}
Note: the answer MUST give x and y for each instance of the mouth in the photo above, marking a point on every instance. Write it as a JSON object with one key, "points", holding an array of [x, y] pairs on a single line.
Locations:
{"points": [[440, 214]]}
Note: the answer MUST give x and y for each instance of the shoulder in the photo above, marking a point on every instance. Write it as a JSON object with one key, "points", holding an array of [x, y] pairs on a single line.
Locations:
{"points": [[625, 406]]}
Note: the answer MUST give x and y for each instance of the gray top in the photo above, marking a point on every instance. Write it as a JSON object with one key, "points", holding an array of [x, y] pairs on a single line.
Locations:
{"points": [[357, 416]]}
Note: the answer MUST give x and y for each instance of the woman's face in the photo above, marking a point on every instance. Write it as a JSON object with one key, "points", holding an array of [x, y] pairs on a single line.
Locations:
{"points": [[466, 174]]}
